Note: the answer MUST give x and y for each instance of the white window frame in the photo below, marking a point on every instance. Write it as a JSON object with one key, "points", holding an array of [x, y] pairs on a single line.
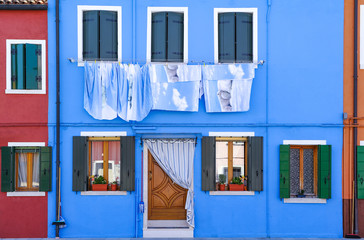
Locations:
{"points": [[254, 11], [152, 10], [80, 10], [8, 89]]}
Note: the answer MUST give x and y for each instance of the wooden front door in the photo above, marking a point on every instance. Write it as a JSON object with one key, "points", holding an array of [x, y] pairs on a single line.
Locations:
{"points": [[166, 200]]}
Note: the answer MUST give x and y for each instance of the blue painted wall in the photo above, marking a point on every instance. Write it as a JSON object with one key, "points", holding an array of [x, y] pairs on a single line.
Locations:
{"points": [[296, 95]]}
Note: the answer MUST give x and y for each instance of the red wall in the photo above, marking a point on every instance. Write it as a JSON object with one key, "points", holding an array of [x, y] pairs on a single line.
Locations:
{"points": [[23, 118]]}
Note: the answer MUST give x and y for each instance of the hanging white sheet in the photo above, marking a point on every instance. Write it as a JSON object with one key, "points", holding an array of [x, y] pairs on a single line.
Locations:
{"points": [[175, 87], [227, 87], [175, 157]]}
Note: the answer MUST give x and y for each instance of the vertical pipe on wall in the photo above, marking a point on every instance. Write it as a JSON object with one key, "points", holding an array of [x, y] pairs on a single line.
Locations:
{"points": [[355, 113]]}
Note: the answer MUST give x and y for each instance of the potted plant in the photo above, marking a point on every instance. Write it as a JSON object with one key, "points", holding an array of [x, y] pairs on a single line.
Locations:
{"points": [[99, 184], [222, 179], [237, 184], [114, 186], [301, 194]]}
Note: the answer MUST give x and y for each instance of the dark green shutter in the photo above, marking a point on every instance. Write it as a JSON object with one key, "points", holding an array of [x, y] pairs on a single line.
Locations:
{"points": [[226, 29], [45, 171], [284, 171], [360, 170], [80, 153], [159, 37], [175, 37], [20, 61], [324, 171], [255, 163], [7, 169], [91, 35], [208, 181], [108, 35], [31, 66], [127, 163], [244, 37]]}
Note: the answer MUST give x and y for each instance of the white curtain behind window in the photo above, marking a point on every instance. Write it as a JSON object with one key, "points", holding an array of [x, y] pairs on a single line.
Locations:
{"points": [[35, 170], [22, 170]]}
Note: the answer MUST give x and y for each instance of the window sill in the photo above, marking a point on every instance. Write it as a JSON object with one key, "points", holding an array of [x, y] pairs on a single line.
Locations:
{"points": [[304, 200], [103, 193], [232, 193], [11, 91], [25, 194]]}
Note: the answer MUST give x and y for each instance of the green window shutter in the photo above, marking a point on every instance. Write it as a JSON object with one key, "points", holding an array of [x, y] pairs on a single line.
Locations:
{"points": [[175, 37], [208, 181], [108, 35], [14, 66], [91, 35], [159, 37], [20, 62], [7, 169], [360, 171], [31, 66], [244, 37], [127, 163], [226, 30], [45, 171], [80, 179], [284, 171], [255, 163], [324, 171]]}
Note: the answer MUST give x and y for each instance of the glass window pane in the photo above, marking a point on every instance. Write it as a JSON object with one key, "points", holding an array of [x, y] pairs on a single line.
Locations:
{"points": [[35, 180], [295, 171], [22, 169], [221, 160], [308, 171], [97, 156], [238, 158], [114, 161]]}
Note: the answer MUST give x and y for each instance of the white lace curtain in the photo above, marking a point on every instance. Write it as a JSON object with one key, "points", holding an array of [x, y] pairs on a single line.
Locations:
{"points": [[23, 172]]}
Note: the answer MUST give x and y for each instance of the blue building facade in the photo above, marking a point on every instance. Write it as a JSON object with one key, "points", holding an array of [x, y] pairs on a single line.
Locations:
{"points": [[296, 99]]}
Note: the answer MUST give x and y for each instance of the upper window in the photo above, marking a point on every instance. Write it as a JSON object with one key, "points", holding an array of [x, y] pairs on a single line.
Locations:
{"points": [[99, 33], [235, 35], [25, 66], [167, 35]]}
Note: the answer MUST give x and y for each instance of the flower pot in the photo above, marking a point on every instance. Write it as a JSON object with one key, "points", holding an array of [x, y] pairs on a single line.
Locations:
{"points": [[222, 187], [236, 187], [114, 187], [99, 187]]}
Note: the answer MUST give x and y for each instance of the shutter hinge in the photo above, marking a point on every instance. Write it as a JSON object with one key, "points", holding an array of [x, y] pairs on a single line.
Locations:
{"points": [[38, 52], [38, 78], [13, 51], [13, 78]]}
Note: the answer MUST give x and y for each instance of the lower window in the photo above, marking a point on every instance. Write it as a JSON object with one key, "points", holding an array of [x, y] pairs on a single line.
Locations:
{"points": [[27, 169]]}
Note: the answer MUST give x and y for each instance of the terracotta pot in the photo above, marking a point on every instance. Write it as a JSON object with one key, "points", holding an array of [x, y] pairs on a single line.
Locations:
{"points": [[222, 187], [113, 187], [99, 187], [236, 187]]}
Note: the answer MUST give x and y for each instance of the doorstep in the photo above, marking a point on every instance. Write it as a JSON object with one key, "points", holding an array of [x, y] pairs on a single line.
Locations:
{"points": [[168, 233]]}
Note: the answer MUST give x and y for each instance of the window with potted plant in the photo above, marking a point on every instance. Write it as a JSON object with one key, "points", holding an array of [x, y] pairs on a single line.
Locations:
{"points": [[99, 184]]}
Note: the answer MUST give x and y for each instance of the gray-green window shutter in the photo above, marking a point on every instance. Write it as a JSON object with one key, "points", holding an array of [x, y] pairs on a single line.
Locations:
{"points": [[360, 171], [324, 171], [31, 66], [159, 37], [91, 35], [284, 171], [45, 171], [208, 181], [80, 153], [244, 37], [127, 163], [108, 35], [175, 37], [226, 30], [20, 66], [255, 163], [7, 169]]}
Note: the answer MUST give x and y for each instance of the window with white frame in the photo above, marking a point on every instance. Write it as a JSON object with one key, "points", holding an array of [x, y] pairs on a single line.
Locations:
{"points": [[25, 66], [99, 33], [235, 35], [167, 34]]}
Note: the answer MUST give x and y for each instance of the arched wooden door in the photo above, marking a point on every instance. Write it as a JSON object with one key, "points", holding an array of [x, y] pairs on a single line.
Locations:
{"points": [[166, 200]]}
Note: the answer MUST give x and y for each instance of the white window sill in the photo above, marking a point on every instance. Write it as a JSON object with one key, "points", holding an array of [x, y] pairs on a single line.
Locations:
{"points": [[232, 193], [11, 91], [304, 200], [25, 194], [103, 193]]}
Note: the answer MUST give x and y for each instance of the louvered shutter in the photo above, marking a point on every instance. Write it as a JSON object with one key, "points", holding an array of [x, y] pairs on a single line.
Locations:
{"points": [[80, 179], [226, 30], [91, 35], [175, 37], [159, 37], [324, 171], [284, 171], [127, 163], [31, 66], [360, 171], [45, 171], [108, 35], [255, 163], [208, 181], [244, 37], [7, 169], [20, 66]]}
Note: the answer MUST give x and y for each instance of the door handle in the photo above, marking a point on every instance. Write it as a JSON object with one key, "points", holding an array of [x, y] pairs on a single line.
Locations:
{"points": [[150, 175]]}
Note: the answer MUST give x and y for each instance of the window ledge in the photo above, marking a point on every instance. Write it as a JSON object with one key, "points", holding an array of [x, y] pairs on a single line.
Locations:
{"points": [[304, 200], [25, 194], [12, 91], [103, 193], [232, 193]]}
